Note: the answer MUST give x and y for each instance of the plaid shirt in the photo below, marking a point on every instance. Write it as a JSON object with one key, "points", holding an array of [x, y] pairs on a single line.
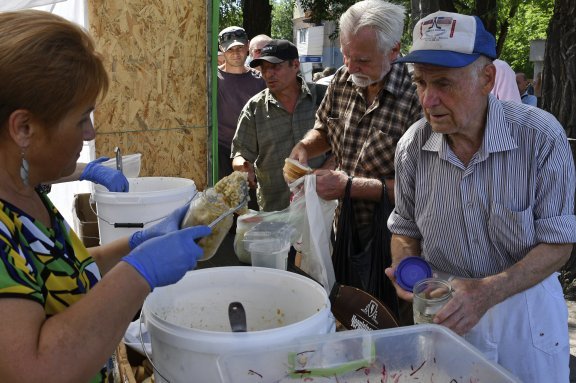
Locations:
{"points": [[265, 136], [363, 137]]}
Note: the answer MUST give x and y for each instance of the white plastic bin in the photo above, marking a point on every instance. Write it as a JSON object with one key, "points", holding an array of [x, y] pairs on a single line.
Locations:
{"points": [[130, 164], [189, 326], [149, 200]]}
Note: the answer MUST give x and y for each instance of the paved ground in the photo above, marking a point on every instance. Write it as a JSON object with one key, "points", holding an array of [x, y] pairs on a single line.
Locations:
{"points": [[226, 257]]}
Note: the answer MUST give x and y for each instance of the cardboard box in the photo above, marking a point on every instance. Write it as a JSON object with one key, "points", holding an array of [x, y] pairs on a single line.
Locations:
{"points": [[85, 220]]}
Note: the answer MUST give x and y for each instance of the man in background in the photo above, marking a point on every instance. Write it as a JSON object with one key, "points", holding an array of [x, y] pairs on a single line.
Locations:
{"points": [[236, 85], [256, 45], [273, 121], [523, 87], [327, 75]]}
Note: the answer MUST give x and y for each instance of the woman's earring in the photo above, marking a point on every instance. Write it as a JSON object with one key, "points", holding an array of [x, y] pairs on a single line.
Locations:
{"points": [[24, 170]]}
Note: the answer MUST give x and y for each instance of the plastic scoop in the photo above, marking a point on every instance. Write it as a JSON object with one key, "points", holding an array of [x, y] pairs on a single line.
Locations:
{"points": [[237, 317]]}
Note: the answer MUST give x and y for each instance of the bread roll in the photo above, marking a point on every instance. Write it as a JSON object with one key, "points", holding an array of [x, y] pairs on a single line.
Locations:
{"points": [[294, 170]]}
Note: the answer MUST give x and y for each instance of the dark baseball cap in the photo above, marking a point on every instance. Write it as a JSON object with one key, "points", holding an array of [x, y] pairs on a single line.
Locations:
{"points": [[275, 52], [232, 37]]}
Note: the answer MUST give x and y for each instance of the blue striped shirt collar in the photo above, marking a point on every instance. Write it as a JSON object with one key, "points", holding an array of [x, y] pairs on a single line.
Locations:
{"points": [[497, 136]]}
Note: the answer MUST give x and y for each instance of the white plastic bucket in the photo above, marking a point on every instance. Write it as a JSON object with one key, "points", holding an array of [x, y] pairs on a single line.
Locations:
{"points": [[149, 200], [130, 164], [189, 327]]}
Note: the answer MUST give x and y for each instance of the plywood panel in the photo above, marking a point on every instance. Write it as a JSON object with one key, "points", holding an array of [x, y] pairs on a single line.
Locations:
{"points": [[155, 53], [185, 153]]}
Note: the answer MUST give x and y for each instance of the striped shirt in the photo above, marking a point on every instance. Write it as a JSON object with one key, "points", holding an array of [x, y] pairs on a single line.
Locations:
{"points": [[363, 137], [477, 220], [265, 136]]}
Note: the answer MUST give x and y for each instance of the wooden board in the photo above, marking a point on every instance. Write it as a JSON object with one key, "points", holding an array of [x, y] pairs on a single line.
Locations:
{"points": [[157, 104]]}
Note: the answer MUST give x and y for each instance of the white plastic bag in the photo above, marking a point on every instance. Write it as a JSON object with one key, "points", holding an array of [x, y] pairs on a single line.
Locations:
{"points": [[313, 216]]}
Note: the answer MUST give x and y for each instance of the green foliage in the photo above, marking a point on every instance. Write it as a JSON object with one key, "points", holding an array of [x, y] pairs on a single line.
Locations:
{"points": [[321, 10], [282, 14], [230, 13], [529, 23]]}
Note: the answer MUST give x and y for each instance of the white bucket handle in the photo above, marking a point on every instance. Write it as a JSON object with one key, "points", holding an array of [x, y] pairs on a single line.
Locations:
{"points": [[139, 225], [144, 348]]}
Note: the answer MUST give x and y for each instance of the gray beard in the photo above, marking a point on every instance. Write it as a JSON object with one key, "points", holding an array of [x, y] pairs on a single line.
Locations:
{"points": [[362, 81]]}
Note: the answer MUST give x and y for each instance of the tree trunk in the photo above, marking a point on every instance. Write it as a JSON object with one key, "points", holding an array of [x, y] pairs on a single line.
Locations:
{"points": [[559, 89], [422, 8], [257, 17], [559, 81], [487, 11], [505, 27]]}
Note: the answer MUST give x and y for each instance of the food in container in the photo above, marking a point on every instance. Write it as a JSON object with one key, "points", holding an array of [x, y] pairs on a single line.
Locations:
{"points": [[233, 189], [228, 193]]}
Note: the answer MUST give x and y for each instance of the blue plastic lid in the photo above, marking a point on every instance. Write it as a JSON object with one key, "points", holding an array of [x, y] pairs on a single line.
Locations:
{"points": [[411, 270]]}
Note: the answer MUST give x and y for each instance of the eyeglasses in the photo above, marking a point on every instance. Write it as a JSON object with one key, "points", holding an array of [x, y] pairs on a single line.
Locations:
{"points": [[232, 35]]}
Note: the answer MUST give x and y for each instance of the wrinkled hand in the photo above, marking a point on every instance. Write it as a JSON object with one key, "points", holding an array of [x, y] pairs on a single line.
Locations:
{"points": [[112, 179], [471, 298], [164, 260], [299, 154], [330, 184], [249, 168], [167, 225], [241, 165]]}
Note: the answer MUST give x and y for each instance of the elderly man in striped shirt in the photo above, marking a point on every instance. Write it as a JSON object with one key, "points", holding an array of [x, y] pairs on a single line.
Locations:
{"points": [[485, 193]]}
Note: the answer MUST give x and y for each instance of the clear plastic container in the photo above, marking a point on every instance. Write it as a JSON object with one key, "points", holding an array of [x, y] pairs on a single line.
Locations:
{"points": [[244, 223], [423, 353], [269, 244], [269, 254]]}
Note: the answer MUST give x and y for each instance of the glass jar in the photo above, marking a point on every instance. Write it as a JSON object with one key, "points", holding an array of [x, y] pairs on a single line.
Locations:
{"points": [[204, 209], [430, 295]]}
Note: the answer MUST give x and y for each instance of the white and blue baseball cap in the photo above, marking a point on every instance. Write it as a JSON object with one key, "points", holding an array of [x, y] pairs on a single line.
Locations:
{"points": [[449, 40]]}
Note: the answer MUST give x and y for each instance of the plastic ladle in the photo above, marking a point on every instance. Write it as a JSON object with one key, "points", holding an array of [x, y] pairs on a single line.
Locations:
{"points": [[237, 317]]}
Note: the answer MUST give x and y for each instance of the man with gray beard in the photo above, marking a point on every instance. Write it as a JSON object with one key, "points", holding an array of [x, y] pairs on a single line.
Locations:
{"points": [[368, 106]]}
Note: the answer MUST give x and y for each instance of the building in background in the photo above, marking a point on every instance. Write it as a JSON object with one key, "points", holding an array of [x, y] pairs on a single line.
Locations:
{"points": [[537, 50], [317, 51]]}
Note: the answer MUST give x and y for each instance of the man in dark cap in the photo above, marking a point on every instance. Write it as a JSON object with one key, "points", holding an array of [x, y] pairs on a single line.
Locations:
{"points": [[236, 85], [485, 193], [273, 121]]}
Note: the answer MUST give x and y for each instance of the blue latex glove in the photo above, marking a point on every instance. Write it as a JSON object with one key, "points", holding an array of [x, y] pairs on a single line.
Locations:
{"points": [[112, 179], [164, 260], [167, 225]]}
